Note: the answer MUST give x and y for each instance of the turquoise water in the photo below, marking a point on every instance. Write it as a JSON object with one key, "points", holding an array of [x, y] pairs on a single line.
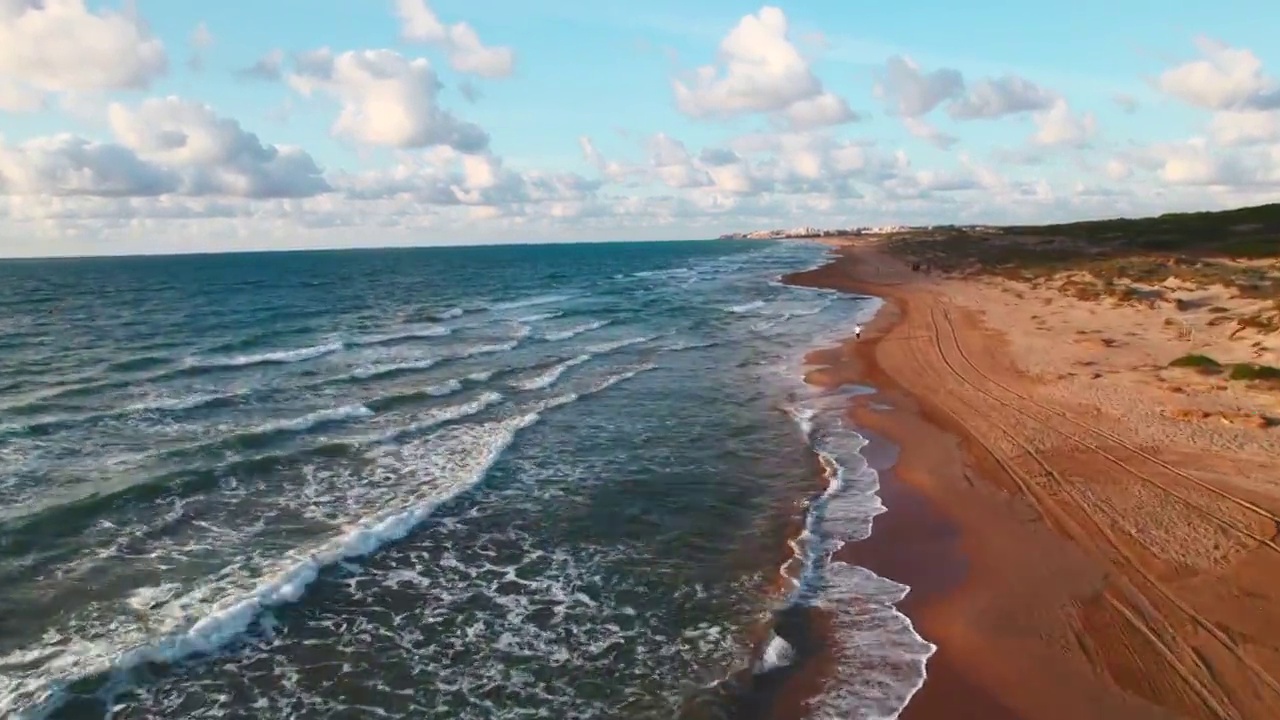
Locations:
{"points": [[548, 481]]}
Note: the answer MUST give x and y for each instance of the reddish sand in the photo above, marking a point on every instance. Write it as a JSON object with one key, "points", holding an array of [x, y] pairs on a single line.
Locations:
{"points": [[1067, 566]]}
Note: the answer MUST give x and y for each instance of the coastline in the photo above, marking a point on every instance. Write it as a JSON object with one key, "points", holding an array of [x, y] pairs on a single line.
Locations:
{"points": [[1028, 614]]}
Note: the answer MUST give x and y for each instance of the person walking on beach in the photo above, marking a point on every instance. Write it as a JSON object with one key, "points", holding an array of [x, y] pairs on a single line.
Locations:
{"points": [[857, 332]]}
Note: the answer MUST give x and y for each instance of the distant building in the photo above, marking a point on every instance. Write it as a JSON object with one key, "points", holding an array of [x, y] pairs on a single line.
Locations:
{"points": [[810, 232]]}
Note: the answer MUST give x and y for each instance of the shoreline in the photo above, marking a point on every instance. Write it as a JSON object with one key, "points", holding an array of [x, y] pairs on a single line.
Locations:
{"points": [[1042, 600], [916, 542], [931, 563]]}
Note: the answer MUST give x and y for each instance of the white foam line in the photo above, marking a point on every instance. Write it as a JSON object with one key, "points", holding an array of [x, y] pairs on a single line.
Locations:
{"points": [[480, 444], [310, 420], [439, 416], [448, 387], [174, 404], [530, 302], [278, 356], [550, 375], [539, 317], [232, 618], [430, 331], [608, 347], [575, 330], [745, 307], [866, 686]]}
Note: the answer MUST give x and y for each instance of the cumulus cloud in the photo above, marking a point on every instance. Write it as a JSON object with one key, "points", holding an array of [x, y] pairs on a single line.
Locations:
{"points": [[1194, 163], [217, 155], [37, 56], [1245, 127], [66, 165], [446, 177], [1059, 126], [910, 92], [761, 71], [176, 167], [467, 54], [163, 146], [1223, 78], [930, 134], [385, 98], [1007, 95], [269, 67]]}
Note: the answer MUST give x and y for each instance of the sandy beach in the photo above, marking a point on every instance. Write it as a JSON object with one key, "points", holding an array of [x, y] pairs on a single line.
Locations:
{"points": [[1088, 532]]}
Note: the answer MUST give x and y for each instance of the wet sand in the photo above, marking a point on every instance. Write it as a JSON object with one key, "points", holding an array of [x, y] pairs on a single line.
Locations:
{"points": [[1063, 568]]}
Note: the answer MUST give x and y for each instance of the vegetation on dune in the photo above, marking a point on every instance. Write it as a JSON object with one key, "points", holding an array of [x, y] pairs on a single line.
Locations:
{"points": [[1237, 371], [1249, 371], [1239, 249], [1196, 361]]}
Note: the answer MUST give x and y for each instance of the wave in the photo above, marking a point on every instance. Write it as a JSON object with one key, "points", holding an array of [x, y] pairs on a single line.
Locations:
{"points": [[373, 371], [449, 314], [178, 404], [306, 422], [745, 307], [274, 357], [439, 416], [539, 317], [550, 375], [575, 330], [141, 362], [689, 345], [530, 301], [882, 661], [388, 402], [420, 333], [450, 463], [608, 347], [141, 407]]}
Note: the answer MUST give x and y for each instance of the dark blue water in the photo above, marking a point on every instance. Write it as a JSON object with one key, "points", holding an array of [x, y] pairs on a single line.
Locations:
{"points": [[455, 483]]}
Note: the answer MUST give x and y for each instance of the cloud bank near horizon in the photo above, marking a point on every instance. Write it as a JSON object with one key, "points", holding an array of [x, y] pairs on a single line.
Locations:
{"points": [[147, 141]]}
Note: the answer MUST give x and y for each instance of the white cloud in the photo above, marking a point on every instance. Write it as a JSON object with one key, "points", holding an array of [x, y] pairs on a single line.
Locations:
{"points": [[1059, 126], [110, 51], [386, 99], [174, 167], [1007, 95], [1245, 127], [910, 92], [216, 155], [761, 71], [467, 54], [269, 67], [819, 111], [163, 146], [930, 134], [1118, 170], [65, 165], [1224, 78]]}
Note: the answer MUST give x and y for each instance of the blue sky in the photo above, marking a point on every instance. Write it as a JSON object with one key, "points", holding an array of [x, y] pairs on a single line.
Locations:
{"points": [[605, 70]]}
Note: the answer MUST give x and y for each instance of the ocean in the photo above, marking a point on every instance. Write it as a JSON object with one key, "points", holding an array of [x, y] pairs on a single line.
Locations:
{"points": [[573, 481]]}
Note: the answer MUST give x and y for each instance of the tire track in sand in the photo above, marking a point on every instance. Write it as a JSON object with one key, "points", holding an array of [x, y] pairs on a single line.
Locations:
{"points": [[1048, 508]]}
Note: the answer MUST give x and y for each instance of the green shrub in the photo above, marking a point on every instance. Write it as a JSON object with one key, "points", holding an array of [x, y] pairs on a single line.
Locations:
{"points": [[1249, 371], [1196, 361]]}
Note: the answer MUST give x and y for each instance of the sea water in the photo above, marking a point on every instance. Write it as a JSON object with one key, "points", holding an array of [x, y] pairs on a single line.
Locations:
{"points": [[536, 481]]}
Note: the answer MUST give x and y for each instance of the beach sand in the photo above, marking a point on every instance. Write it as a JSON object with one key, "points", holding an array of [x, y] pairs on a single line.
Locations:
{"points": [[1087, 533]]}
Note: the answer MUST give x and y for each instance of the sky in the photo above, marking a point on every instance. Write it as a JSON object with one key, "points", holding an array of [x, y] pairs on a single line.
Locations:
{"points": [[157, 126]]}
